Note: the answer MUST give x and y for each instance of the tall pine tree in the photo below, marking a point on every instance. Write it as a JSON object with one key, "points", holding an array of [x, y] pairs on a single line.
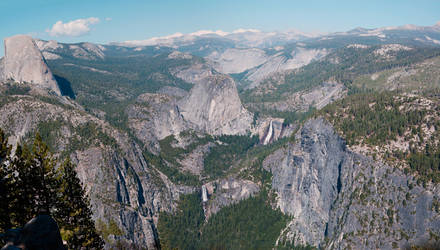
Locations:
{"points": [[22, 188], [73, 214], [31, 184], [46, 179], [5, 182]]}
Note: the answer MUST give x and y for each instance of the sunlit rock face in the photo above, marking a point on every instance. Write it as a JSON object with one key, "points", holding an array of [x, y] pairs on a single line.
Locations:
{"points": [[213, 105], [340, 199], [24, 63]]}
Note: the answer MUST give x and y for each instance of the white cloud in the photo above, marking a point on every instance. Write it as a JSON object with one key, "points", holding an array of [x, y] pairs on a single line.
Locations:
{"points": [[108, 19], [77, 27]]}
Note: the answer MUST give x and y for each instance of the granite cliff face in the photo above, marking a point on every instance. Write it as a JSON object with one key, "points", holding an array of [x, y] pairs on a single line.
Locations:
{"points": [[228, 191], [23, 62], [213, 106], [341, 199], [257, 64], [338, 198], [122, 186]]}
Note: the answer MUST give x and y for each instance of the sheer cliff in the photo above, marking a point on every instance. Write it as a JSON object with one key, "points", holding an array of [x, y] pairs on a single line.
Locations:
{"points": [[122, 186], [147, 125], [23, 62], [340, 199]]}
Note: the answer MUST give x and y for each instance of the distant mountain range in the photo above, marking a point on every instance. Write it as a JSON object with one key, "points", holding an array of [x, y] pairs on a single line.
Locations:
{"points": [[247, 38], [294, 139], [241, 37]]}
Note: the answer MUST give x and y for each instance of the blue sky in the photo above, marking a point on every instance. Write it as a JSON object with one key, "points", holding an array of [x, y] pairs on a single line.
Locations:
{"points": [[138, 20]]}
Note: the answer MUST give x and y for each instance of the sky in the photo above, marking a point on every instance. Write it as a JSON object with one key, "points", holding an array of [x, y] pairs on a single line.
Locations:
{"points": [[114, 21]]}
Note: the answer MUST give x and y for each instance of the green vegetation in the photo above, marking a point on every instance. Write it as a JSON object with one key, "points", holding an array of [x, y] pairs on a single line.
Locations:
{"points": [[167, 162], [170, 153], [17, 89], [182, 230], [426, 164], [352, 63], [107, 229], [113, 83], [223, 156], [85, 135], [249, 224], [49, 132], [172, 172], [73, 212], [31, 185], [227, 150], [295, 117], [252, 166], [413, 77], [376, 119]]}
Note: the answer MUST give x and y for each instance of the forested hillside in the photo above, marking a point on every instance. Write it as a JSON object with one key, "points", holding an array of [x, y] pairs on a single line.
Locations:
{"points": [[401, 129]]}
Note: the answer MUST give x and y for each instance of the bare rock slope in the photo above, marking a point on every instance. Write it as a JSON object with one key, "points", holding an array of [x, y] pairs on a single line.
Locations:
{"points": [[213, 105], [123, 188], [340, 199], [23, 62]]}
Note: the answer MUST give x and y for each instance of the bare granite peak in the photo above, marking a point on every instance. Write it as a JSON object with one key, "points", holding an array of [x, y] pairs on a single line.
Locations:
{"points": [[23, 62]]}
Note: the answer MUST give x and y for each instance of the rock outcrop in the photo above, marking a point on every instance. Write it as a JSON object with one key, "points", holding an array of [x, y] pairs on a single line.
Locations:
{"points": [[237, 60], [41, 232], [53, 50], [301, 101], [123, 188], [23, 62], [2, 77], [257, 64], [228, 191], [213, 106], [340, 199]]}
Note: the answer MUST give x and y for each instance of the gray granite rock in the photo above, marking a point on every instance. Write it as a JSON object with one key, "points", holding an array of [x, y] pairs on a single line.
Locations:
{"points": [[225, 192], [23, 62], [340, 199], [213, 106], [121, 185], [41, 232]]}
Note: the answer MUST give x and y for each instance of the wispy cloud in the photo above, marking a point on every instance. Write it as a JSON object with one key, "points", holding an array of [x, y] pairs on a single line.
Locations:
{"points": [[77, 27]]}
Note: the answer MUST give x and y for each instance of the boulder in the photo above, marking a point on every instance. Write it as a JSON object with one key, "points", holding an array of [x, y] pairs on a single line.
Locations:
{"points": [[41, 232]]}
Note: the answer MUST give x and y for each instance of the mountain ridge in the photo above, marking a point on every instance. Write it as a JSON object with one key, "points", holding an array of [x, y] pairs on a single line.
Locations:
{"points": [[147, 126]]}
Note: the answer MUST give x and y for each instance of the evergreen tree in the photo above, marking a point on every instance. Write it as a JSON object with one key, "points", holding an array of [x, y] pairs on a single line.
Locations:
{"points": [[22, 189], [45, 177], [73, 213], [5, 183], [31, 184], [5, 149]]}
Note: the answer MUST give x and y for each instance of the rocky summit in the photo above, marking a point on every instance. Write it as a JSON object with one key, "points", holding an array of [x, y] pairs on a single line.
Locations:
{"points": [[213, 105], [242, 140], [24, 63]]}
